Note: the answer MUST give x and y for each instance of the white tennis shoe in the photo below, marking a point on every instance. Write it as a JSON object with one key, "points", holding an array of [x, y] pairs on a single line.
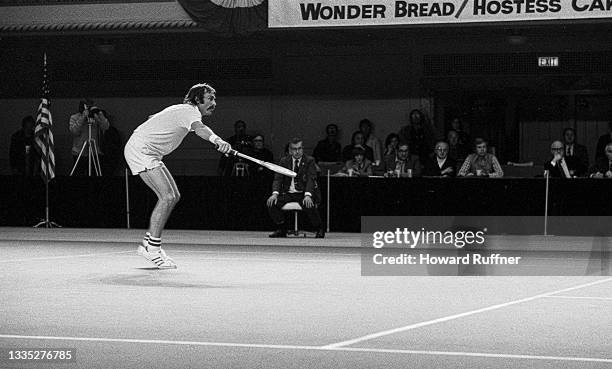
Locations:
{"points": [[159, 258]]}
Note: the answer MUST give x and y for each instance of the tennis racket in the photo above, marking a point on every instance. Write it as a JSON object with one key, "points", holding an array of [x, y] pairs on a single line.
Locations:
{"points": [[272, 167]]}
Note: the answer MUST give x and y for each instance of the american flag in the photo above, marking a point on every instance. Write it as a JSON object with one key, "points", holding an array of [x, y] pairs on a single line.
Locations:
{"points": [[42, 134]]}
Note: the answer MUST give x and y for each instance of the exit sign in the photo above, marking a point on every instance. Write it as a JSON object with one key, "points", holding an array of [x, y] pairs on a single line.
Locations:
{"points": [[548, 61]]}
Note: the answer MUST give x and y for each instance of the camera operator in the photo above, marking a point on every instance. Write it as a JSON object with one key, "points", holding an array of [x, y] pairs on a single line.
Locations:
{"points": [[79, 127]]}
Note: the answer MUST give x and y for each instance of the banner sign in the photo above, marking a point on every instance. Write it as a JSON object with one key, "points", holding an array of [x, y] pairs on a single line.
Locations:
{"points": [[333, 13]]}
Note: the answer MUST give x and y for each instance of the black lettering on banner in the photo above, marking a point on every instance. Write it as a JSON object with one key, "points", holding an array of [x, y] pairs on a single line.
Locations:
{"points": [[599, 5], [309, 11], [541, 6], [507, 7], [554, 6], [353, 12], [480, 7], [400, 9], [312, 11], [403, 9], [578, 8], [379, 11], [493, 7]]}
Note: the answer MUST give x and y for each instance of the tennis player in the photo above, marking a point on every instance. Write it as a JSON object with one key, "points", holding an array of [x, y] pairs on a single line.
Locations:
{"points": [[161, 134]]}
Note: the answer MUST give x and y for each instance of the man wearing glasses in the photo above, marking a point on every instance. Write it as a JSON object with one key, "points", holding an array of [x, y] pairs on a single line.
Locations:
{"points": [[403, 164], [302, 189], [441, 165], [560, 166]]}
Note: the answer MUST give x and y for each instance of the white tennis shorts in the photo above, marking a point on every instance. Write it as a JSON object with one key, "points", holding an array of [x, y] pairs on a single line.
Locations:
{"points": [[139, 157]]}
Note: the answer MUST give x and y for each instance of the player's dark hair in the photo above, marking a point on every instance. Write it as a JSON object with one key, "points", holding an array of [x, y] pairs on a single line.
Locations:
{"points": [[196, 93], [295, 140]]}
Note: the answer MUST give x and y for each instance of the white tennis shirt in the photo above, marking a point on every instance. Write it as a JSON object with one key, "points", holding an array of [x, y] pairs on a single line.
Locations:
{"points": [[163, 132]]}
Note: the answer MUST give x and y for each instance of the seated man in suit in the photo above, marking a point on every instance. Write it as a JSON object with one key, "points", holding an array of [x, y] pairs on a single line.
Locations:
{"points": [[441, 165], [303, 189], [403, 163], [560, 166], [603, 165]]}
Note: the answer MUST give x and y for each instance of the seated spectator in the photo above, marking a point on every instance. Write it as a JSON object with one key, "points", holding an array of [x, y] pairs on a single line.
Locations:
{"points": [[603, 166], [23, 153], [357, 140], [560, 166], [328, 149], [441, 165], [303, 189], [603, 141], [403, 164], [258, 151], [575, 149], [418, 134], [481, 163], [240, 141], [359, 166], [456, 149], [391, 143], [365, 126]]}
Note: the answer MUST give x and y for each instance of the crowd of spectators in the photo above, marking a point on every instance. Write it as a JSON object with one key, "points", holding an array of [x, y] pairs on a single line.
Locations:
{"points": [[414, 150]]}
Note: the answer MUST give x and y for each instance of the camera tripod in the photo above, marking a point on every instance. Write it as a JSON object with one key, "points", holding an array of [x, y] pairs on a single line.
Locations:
{"points": [[93, 160]]}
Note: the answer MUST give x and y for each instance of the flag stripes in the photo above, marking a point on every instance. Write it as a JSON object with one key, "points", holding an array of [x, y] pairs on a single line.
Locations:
{"points": [[43, 136]]}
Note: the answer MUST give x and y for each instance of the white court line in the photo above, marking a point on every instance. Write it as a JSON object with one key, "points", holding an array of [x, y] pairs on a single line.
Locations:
{"points": [[311, 348], [258, 253], [64, 256], [457, 316], [355, 262], [581, 297]]}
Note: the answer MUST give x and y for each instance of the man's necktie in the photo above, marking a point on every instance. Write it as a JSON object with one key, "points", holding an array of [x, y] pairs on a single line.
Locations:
{"points": [[295, 166], [565, 170]]}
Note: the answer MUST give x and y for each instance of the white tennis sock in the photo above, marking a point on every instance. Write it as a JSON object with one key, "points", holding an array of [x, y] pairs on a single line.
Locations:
{"points": [[154, 243]]}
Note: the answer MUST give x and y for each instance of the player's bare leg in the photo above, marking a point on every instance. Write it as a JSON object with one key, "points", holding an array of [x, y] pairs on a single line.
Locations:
{"points": [[161, 182]]}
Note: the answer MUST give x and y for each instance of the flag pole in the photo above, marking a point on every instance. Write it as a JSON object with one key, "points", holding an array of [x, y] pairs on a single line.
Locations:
{"points": [[46, 223]]}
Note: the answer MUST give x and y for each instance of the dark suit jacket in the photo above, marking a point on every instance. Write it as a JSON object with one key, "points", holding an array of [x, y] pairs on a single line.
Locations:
{"points": [[602, 165], [556, 172], [305, 181], [601, 145], [580, 153], [412, 162], [433, 170], [17, 154]]}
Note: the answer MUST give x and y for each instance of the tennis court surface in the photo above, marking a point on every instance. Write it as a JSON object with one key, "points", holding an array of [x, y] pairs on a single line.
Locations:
{"points": [[242, 300]]}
